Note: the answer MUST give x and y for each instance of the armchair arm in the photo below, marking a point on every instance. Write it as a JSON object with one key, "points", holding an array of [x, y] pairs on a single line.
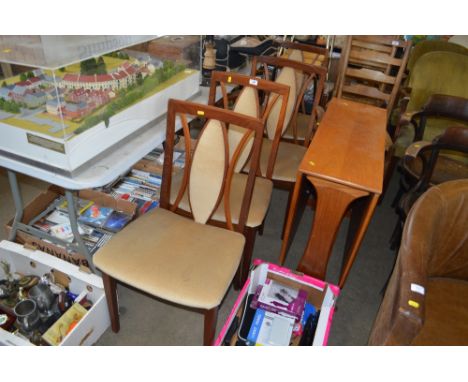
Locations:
{"points": [[440, 105], [413, 150], [405, 117]]}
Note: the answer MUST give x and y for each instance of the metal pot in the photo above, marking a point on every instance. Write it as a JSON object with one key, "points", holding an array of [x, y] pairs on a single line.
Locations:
{"points": [[27, 314], [43, 297]]}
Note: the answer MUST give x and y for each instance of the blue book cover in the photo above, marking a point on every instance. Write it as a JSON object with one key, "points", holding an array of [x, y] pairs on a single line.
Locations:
{"points": [[95, 215], [116, 221], [256, 326]]}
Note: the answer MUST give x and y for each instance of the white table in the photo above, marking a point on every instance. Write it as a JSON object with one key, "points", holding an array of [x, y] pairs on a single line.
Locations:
{"points": [[97, 173]]}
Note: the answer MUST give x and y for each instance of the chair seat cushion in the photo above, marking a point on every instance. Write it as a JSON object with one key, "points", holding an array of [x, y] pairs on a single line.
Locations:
{"points": [[174, 258], [288, 159], [258, 208], [446, 315]]}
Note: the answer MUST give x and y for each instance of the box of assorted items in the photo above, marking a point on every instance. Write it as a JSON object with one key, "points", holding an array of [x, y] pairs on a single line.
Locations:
{"points": [[277, 307], [45, 301], [99, 217]]}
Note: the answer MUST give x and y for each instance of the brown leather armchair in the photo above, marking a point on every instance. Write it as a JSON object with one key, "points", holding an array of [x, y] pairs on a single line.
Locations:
{"points": [[425, 302], [426, 164]]}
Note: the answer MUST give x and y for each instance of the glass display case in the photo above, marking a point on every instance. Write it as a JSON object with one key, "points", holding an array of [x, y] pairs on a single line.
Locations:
{"points": [[65, 100]]}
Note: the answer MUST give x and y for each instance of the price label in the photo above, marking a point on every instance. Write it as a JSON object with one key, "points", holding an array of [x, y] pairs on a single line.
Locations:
{"points": [[253, 82]]}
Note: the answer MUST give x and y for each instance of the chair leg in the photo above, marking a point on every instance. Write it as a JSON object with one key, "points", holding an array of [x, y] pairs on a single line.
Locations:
{"points": [[110, 288], [249, 234], [390, 169], [211, 317], [260, 228], [286, 213]]}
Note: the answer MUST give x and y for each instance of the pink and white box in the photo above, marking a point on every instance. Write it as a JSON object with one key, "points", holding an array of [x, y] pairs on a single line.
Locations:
{"points": [[321, 294]]}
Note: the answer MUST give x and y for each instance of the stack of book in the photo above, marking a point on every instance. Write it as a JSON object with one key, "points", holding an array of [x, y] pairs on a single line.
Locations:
{"points": [[96, 224], [140, 187]]}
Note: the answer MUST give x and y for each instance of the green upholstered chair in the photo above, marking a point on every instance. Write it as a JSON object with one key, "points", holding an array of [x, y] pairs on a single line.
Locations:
{"points": [[425, 302], [435, 73], [428, 46], [182, 259]]}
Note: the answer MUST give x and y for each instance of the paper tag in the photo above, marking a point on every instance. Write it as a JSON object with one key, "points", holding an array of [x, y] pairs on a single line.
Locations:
{"points": [[417, 289], [200, 112], [413, 303], [229, 79], [395, 43], [253, 82]]}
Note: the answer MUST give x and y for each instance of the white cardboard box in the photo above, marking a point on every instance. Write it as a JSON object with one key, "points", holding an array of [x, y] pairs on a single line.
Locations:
{"points": [[26, 261]]}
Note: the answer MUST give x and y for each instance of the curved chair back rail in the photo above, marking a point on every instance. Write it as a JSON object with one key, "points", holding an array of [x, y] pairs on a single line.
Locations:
{"points": [[313, 55], [433, 260], [311, 74], [276, 98], [210, 162]]}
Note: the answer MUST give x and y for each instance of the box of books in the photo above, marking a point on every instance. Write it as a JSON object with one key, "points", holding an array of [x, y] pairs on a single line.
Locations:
{"points": [[71, 309], [99, 217], [280, 307]]}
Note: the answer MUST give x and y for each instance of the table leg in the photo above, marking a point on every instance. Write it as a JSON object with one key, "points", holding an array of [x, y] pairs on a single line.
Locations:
{"points": [[333, 200], [17, 199], [289, 231], [356, 243], [74, 226]]}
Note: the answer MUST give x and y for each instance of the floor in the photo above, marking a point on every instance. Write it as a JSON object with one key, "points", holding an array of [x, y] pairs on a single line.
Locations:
{"points": [[148, 321]]}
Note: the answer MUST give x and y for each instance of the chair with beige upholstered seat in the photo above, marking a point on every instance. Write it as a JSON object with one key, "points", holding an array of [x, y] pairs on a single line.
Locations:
{"points": [[247, 103], [177, 258], [280, 160]]}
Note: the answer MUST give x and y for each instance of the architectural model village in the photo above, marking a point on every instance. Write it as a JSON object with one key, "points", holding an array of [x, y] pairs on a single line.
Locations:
{"points": [[72, 99]]}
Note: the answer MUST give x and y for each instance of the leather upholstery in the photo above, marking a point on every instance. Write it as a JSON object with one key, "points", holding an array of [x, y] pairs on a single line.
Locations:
{"points": [[433, 255], [156, 253]]}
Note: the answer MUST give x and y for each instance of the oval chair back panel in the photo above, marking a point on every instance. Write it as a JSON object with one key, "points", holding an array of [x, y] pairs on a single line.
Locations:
{"points": [[208, 171]]}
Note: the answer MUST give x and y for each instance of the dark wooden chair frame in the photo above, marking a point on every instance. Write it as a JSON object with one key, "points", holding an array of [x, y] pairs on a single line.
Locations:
{"points": [[269, 89], [254, 126]]}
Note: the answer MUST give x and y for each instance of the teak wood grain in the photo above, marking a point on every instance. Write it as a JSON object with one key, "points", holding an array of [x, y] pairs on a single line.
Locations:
{"points": [[345, 164], [349, 146]]}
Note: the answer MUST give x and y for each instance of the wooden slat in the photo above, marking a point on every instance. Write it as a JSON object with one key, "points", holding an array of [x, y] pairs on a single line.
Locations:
{"points": [[385, 40], [375, 47], [374, 57], [372, 75], [366, 91]]}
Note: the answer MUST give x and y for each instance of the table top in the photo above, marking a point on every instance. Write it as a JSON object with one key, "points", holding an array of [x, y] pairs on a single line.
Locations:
{"points": [[107, 168], [349, 146]]}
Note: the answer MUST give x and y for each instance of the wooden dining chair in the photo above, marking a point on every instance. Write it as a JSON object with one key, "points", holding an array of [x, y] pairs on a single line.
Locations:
{"points": [[280, 159], [372, 70], [180, 259], [246, 101]]}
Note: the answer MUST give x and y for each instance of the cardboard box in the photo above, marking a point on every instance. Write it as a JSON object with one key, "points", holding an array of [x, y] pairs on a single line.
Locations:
{"points": [[43, 200], [32, 262], [319, 293]]}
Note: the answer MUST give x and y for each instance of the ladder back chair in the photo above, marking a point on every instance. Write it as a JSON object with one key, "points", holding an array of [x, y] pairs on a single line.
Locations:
{"points": [[180, 259], [372, 71]]}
